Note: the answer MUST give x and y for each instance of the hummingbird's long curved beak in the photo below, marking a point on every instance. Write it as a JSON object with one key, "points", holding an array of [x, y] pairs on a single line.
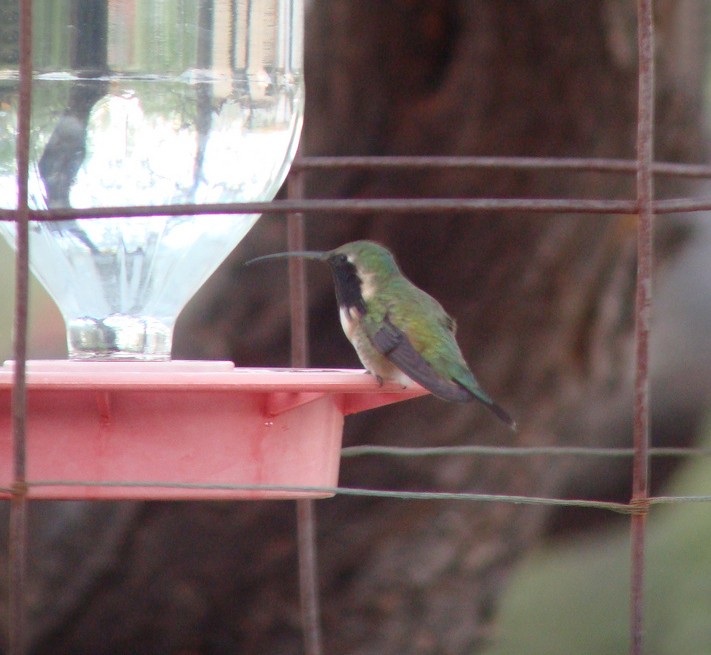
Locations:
{"points": [[306, 254]]}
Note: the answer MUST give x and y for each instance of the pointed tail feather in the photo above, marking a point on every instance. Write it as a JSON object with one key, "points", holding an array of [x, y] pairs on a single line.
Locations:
{"points": [[502, 414], [495, 408]]}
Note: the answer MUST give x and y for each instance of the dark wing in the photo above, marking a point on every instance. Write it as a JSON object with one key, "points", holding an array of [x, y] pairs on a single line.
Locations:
{"points": [[393, 344]]}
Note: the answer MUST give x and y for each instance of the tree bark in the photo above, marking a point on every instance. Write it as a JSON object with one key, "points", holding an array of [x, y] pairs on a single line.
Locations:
{"points": [[543, 307]]}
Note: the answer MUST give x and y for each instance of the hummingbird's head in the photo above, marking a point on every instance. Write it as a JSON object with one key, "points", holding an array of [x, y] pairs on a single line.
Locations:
{"points": [[359, 268], [368, 258]]}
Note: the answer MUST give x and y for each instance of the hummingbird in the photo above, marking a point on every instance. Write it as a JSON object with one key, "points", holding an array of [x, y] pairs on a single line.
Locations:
{"points": [[399, 331]]}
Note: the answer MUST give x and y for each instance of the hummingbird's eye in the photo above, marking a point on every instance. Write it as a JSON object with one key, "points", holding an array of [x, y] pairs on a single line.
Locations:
{"points": [[341, 259]]}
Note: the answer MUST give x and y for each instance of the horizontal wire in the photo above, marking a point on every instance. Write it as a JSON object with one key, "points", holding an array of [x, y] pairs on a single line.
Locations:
{"points": [[345, 491], [373, 205], [343, 206], [673, 500], [595, 165], [679, 205], [517, 451], [637, 506]]}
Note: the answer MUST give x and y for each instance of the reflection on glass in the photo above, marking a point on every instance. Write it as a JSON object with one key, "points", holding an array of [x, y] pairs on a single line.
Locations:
{"points": [[148, 102]]}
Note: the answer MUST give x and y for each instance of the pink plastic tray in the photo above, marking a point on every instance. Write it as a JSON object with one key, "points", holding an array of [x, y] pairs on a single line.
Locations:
{"points": [[153, 427]]}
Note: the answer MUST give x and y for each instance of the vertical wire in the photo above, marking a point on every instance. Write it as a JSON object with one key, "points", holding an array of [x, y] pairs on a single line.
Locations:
{"points": [[17, 637], [305, 509], [298, 296], [643, 306]]}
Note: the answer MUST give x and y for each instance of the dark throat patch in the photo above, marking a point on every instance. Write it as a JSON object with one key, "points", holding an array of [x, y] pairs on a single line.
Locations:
{"points": [[348, 284]]}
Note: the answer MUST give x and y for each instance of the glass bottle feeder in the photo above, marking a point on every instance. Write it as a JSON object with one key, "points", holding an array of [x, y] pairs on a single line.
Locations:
{"points": [[145, 104], [150, 103]]}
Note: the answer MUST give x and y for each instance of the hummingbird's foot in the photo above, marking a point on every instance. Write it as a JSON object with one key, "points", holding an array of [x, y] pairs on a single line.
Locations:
{"points": [[378, 378]]}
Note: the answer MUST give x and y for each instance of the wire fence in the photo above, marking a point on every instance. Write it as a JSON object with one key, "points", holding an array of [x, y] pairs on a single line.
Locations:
{"points": [[643, 204]]}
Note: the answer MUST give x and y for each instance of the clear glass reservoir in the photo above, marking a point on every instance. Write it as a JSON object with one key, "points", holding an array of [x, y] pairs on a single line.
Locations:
{"points": [[140, 103]]}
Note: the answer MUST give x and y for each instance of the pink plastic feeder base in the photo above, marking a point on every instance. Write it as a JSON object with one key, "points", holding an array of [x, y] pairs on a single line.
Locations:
{"points": [[152, 427]]}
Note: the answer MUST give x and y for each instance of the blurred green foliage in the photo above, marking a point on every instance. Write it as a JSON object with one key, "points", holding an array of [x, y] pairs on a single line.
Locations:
{"points": [[573, 598]]}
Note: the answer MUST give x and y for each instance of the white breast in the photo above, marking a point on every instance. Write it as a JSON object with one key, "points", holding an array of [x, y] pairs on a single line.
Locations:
{"points": [[367, 285], [349, 320]]}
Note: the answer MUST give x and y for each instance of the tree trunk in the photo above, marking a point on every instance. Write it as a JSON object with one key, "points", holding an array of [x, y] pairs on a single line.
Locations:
{"points": [[543, 307]]}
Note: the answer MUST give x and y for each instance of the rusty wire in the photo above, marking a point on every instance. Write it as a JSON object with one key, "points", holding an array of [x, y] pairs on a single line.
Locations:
{"points": [[644, 204], [17, 564], [643, 305], [305, 508]]}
